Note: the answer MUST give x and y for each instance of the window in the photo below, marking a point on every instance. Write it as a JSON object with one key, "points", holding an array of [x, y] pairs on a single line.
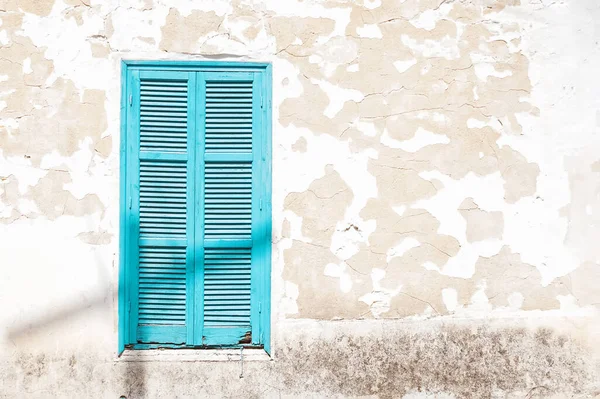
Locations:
{"points": [[195, 205]]}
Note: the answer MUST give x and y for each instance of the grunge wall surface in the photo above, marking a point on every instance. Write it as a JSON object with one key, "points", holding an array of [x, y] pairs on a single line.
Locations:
{"points": [[436, 196]]}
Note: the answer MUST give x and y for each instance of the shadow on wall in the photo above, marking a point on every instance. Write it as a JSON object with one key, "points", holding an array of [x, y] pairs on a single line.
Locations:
{"points": [[52, 317]]}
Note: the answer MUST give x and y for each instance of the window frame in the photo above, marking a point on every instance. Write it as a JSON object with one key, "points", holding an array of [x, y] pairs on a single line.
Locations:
{"points": [[265, 194]]}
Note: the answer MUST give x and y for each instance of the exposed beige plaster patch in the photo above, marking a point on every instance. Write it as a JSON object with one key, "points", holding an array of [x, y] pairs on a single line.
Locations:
{"points": [[252, 31], [100, 50], [299, 145], [75, 13], [104, 146], [38, 136], [366, 259], [519, 175], [148, 4], [54, 201], [497, 6], [9, 198], [148, 40], [181, 34], [421, 289], [306, 269], [397, 182], [505, 274], [321, 206], [392, 228], [481, 225], [303, 31], [109, 28], [95, 238], [38, 7], [583, 284]]}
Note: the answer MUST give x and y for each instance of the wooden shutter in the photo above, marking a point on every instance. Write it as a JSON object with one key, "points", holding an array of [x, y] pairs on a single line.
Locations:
{"points": [[196, 207], [228, 158], [162, 191]]}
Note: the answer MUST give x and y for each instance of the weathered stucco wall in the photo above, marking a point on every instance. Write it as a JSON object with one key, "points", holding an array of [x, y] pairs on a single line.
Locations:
{"points": [[436, 167]]}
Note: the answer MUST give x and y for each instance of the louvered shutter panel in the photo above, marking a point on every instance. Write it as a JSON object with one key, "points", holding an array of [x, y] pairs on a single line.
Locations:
{"points": [[163, 298], [231, 106]]}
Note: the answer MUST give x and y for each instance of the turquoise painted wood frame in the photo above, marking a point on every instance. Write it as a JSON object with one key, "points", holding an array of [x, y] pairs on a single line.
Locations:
{"points": [[261, 263]]}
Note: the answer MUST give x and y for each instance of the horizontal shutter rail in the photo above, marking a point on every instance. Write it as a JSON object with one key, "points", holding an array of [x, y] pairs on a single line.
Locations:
{"points": [[227, 243], [164, 79], [162, 242], [156, 333], [162, 156], [229, 77]]}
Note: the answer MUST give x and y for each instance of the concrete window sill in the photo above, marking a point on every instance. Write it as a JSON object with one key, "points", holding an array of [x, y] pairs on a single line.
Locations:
{"points": [[193, 355]]}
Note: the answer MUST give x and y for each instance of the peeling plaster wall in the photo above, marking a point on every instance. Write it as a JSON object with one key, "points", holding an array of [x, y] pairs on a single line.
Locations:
{"points": [[436, 194]]}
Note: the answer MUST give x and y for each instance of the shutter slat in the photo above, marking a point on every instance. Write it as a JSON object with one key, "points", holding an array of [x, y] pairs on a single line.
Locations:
{"points": [[166, 132], [229, 116], [227, 287], [159, 282]]}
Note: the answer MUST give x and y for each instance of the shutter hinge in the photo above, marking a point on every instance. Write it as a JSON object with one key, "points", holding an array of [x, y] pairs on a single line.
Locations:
{"points": [[130, 100], [129, 306], [260, 204], [260, 307], [130, 202]]}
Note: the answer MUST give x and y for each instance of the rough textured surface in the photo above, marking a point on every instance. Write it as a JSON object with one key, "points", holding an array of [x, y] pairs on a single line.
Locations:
{"points": [[368, 359], [433, 160]]}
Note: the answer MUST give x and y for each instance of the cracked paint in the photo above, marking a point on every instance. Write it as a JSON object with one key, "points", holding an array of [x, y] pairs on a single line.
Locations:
{"points": [[432, 159]]}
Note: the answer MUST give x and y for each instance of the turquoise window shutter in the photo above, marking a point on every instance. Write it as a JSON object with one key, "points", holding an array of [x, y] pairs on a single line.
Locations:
{"points": [[162, 173], [196, 205], [231, 106]]}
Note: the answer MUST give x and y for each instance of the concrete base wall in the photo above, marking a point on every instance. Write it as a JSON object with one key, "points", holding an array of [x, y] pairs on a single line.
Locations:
{"points": [[545, 357]]}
